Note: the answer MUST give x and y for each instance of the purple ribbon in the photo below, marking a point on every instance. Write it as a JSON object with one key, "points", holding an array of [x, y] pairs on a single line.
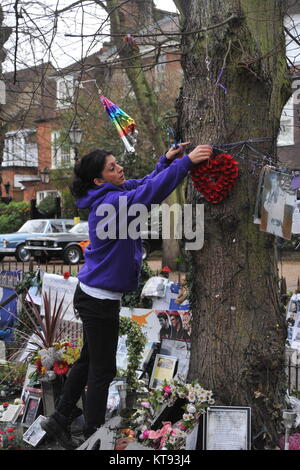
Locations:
{"points": [[218, 81], [295, 183]]}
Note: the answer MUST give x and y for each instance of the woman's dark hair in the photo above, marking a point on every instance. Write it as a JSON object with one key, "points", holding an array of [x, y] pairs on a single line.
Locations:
{"points": [[90, 166]]}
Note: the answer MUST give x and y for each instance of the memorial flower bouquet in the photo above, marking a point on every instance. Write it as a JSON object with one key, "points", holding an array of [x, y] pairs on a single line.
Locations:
{"points": [[171, 436], [57, 359], [11, 438], [52, 356]]}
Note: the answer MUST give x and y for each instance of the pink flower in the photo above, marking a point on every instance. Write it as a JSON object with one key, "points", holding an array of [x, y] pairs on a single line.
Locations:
{"points": [[294, 442], [180, 426], [167, 391], [145, 404], [145, 434]]}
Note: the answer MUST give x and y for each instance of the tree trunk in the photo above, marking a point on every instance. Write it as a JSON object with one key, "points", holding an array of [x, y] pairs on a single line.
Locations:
{"points": [[238, 339]]}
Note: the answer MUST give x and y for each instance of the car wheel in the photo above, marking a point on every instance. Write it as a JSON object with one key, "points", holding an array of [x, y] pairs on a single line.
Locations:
{"points": [[22, 254], [72, 255], [145, 250]]}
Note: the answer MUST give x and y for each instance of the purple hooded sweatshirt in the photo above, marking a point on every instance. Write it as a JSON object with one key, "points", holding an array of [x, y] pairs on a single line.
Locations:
{"points": [[115, 264]]}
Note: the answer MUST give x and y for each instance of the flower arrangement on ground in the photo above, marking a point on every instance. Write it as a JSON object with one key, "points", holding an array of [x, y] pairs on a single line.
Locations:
{"points": [[56, 360], [11, 438], [171, 436], [53, 356]]}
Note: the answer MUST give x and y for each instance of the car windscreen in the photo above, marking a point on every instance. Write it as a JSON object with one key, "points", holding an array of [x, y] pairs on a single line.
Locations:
{"points": [[80, 228], [33, 226]]}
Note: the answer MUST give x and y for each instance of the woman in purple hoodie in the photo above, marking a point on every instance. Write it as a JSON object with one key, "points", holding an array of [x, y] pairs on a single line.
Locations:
{"points": [[112, 267]]}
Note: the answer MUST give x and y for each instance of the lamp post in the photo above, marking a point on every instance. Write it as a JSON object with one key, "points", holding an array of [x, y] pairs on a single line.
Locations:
{"points": [[75, 134]]}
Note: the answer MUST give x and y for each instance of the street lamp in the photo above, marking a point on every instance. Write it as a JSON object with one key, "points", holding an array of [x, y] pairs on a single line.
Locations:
{"points": [[75, 134], [45, 178]]}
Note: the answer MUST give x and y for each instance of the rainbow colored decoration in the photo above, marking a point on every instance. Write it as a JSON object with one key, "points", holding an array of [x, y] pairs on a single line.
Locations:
{"points": [[125, 125]]}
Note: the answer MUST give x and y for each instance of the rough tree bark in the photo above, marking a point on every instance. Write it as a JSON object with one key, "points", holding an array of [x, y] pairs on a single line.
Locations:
{"points": [[238, 324]]}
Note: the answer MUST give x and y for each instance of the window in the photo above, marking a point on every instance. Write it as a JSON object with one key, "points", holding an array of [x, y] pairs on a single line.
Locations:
{"points": [[292, 23], [160, 72], [62, 153], [33, 226], [65, 91], [20, 148], [286, 134], [57, 226]]}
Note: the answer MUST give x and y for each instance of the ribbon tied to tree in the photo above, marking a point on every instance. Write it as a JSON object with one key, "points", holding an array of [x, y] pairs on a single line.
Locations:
{"points": [[125, 125]]}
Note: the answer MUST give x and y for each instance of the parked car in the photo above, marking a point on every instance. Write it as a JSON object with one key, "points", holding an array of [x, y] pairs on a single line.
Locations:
{"points": [[13, 244], [63, 246]]}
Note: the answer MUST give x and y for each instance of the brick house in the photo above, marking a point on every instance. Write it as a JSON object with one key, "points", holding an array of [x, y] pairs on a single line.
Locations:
{"points": [[36, 139], [28, 115]]}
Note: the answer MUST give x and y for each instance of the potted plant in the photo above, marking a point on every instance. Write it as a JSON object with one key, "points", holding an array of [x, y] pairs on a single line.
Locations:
{"points": [[53, 356]]}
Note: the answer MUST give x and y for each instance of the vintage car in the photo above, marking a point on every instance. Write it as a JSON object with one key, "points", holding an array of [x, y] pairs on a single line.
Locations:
{"points": [[13, 244], [63, 246]]}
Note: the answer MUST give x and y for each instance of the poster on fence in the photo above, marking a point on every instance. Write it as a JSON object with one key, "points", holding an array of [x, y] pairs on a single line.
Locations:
{"points": [[8, 315], [58, 287], [147, 320], [168, 302]]}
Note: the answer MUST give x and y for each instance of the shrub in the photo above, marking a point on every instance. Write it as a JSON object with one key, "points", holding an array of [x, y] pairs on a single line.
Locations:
{"points": [[13, 216]]}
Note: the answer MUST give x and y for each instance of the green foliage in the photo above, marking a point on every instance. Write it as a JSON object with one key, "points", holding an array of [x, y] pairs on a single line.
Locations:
{"points": [[135, 343], [13, 216], [133, 299], [12, 438], [12, 376], [47, 205]]}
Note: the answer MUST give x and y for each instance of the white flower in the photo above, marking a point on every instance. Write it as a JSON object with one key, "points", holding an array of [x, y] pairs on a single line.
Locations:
{"points": [[187, 417], [191, 409], [191, 397], [203, 397], [139, 420], [49, 356], [172, 440]]}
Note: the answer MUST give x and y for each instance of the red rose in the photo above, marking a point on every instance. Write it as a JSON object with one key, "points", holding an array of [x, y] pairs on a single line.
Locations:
{"points": [[66, 275], [11, 437], [10, 429]]}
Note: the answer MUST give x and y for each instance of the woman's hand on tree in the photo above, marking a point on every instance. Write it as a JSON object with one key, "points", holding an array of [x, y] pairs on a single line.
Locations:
{"points": [[173, 153], [201, 153]]}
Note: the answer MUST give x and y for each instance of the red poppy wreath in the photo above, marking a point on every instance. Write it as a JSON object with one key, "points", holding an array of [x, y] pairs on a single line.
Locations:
{"points": [[215, 178]]}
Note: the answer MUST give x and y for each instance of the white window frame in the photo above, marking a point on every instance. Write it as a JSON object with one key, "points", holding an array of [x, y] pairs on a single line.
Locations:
{"points": [[17, 151], [292, 23], [58, 153], [65, 88], [286, 133]]}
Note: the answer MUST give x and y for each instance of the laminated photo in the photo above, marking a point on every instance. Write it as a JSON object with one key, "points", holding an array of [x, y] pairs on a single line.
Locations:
{"points": [[278, 201]]}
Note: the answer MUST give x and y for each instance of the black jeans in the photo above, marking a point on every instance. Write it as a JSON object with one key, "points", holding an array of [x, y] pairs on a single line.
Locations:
{"points": [[96, 366]]}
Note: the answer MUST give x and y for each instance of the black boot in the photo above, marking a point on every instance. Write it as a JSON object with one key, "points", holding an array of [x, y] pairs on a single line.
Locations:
{"points": [[57, 427]]}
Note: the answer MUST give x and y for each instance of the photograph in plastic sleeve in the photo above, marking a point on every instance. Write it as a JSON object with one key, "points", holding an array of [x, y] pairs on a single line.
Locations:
{"points": [[278, 200], [155, 287], [174, 324], [181, 350]]}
